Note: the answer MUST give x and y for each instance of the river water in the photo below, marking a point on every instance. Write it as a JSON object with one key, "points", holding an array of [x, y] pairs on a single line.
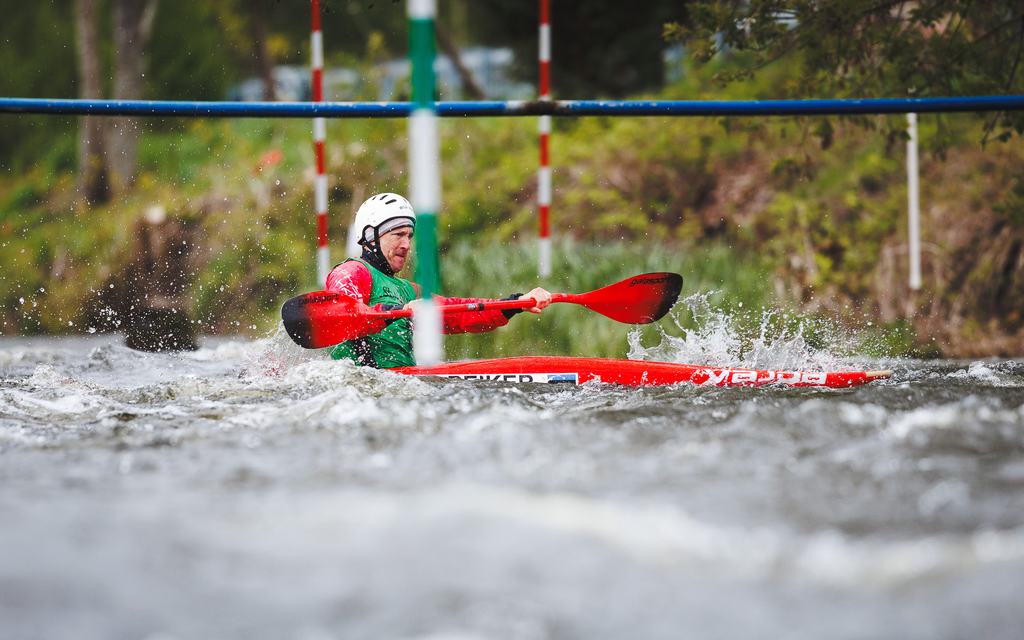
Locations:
{"points": [[250, 491]]}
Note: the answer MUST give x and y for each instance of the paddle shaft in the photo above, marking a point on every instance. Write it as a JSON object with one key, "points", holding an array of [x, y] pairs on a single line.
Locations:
{"points": [[483, 305]]}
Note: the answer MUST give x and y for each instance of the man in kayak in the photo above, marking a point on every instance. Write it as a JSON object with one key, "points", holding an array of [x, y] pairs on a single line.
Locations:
{"points": [[385, 224]]}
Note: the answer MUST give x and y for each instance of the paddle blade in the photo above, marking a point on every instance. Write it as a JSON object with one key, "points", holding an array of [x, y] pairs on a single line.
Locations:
{"points": [[637, 300], [325, 318]]}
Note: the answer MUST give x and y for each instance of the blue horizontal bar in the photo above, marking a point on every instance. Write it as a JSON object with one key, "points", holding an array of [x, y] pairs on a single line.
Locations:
{"points": [[171, 108]]}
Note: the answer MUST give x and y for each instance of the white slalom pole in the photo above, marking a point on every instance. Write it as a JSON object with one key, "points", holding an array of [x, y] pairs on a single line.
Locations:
{"points": [[323, 256], [913, 204], [544, 173], [425, 180]]}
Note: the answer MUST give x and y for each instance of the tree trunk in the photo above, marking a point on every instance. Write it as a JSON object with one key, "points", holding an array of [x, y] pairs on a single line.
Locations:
{"points": [[93, 183], [469, 84], [133, 23], [260, 50]]}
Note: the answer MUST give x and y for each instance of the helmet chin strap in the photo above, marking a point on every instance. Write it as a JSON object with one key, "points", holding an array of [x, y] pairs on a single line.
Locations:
{"points": [[373, 255]]}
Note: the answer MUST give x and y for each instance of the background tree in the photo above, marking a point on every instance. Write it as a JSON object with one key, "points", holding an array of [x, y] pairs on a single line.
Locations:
{"points": [[869, 48], [37, 56], [261, 50], [93, 182], [599, 48], [133, 25]]}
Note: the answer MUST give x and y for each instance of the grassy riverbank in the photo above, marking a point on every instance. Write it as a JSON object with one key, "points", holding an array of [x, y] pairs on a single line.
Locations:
{"points": [[732, 285], [806, 214]]}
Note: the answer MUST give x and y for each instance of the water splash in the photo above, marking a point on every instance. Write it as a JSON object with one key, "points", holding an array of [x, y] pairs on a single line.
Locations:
{"points": [[765, 339], [276, 354]]}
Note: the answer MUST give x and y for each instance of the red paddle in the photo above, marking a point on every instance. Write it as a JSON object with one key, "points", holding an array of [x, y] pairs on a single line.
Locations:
{"points": [[325, 318]]}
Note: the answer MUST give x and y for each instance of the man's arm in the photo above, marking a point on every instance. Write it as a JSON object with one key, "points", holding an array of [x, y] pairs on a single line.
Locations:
{"points": [[353, 279], [488, 320], [474, 321]]}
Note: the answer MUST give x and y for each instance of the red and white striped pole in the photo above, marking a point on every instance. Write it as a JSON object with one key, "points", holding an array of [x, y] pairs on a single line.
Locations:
{"points": [[323, 258], [544, 173]]}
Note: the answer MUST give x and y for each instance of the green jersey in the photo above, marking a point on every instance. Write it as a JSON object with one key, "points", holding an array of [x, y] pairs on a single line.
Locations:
{"points": [[392, 347]]}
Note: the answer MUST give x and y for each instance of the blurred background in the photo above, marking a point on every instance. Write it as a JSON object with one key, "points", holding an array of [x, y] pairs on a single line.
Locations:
{"points": [[214, 217]]}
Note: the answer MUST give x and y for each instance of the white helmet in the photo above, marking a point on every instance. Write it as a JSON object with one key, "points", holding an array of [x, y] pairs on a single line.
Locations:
{"points": [[382, 213]]}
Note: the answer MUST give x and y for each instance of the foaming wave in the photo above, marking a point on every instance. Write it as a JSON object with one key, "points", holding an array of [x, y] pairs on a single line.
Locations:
{"points": [[996, 374], [313, 374], [670, 535], [231, 349], [658, 535], [973, 425], [768, 340], [48, 394], [30, 355]]}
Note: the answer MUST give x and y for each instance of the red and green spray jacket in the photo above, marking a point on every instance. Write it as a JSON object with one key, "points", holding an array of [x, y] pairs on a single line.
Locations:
{"points": [[392, 347]]}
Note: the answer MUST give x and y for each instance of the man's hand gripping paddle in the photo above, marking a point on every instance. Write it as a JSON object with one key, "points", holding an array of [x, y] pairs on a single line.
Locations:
{"points": [[325, 318]]}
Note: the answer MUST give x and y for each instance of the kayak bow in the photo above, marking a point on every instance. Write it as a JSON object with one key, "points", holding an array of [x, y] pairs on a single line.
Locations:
{"points": [[634, 373]]}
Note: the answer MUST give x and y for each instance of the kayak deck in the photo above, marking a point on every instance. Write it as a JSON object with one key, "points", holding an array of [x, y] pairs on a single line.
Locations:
{"points": [[634, 373]]}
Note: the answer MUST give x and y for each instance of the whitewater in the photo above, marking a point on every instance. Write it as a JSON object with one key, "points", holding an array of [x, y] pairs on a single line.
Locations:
{"points": [[253, 490]]}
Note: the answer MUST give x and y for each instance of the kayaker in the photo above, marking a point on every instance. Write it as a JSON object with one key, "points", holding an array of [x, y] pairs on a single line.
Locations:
{"points": [[385, 224]]}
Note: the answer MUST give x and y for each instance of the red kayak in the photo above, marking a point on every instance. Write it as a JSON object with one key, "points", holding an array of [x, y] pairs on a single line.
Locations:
{"points": [[634, 373]]}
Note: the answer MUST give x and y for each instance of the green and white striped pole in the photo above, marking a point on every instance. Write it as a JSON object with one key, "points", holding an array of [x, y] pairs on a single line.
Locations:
{"points": [[425, 178]]}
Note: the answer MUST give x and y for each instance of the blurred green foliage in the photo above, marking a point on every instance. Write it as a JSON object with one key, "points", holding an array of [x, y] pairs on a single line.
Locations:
{"points": [[865, 48], [790, 213], [494, 269]]}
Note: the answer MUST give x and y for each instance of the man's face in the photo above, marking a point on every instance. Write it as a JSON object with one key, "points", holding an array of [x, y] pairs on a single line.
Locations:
{"points": [[396, 245]]}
